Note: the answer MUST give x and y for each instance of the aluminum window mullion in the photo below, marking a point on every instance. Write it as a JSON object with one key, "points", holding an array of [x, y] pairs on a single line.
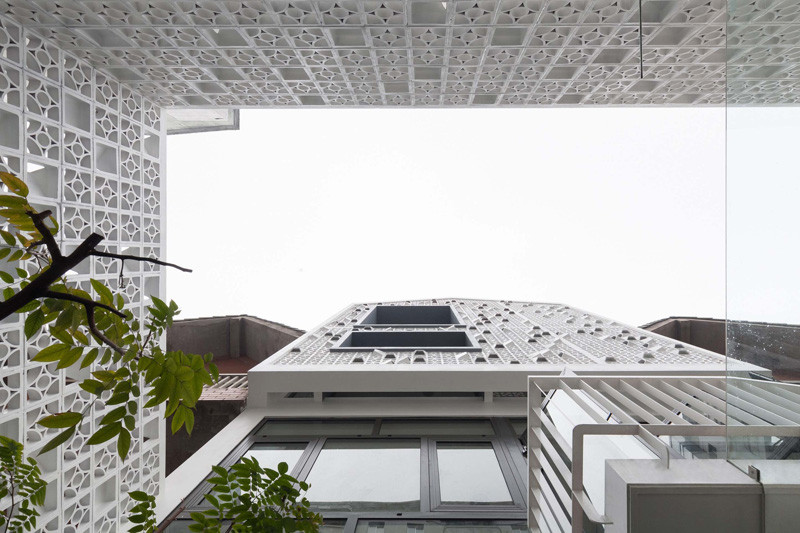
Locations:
{"points": [[316, 448], [350, 525], [505, 443], [513, 446], [515, 489], [435, 486], [425, 476]]}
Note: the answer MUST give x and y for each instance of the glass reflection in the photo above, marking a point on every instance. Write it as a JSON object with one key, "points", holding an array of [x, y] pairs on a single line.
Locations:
{"points": [[361, 475], [270, 455], [469, 473]]}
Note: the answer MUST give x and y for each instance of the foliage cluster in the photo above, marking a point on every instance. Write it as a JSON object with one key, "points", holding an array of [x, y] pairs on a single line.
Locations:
{"points": [[128, 367], [254, 498], [21, 481]]}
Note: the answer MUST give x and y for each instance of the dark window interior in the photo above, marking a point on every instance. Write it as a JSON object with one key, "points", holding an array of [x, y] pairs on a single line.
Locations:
{"points": [[422, 315]]}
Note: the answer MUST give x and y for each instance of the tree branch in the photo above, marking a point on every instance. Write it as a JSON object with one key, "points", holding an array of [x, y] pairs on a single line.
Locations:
{"points": [[99, 334], [138, 258], [77, 299], [44, 231], [36, 288], [90, 306]]}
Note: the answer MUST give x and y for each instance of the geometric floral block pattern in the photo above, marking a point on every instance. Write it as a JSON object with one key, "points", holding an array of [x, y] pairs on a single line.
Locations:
{"points": [[76, 136], [507, 333], [263, 53]]}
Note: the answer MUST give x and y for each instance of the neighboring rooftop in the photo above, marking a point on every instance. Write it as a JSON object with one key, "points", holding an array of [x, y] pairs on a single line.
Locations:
{"points": [[426, 52], [773, 346], [238, 342]]}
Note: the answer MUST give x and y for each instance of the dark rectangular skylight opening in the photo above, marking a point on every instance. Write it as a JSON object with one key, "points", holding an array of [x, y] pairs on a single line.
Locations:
{"points": [[438, 341], [411, 315]]}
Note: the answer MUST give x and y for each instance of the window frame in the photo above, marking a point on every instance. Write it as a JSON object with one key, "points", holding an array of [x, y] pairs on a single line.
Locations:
{"points": [[507, 447]]}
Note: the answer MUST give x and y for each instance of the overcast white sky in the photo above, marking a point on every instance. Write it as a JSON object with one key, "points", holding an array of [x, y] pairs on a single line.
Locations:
{"points": [[302, 212]]}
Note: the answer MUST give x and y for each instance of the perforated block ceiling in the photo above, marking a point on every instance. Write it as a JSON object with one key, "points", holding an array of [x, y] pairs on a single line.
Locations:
{"points": [[428, 53]]}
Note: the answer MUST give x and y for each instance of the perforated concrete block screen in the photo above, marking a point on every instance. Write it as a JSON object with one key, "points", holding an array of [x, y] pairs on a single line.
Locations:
{"points": [[417, 315], [407, 340]]}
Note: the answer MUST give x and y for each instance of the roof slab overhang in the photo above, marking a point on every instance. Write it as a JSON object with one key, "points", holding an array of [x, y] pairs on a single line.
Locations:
{"points": [[423, 53]]}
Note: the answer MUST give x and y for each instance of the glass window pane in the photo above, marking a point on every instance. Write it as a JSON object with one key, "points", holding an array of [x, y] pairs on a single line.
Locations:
{"points": [[470, 474], [315, 428], [269, 455], [362, 475], [440, 526], [332, 526], [409, 427]]}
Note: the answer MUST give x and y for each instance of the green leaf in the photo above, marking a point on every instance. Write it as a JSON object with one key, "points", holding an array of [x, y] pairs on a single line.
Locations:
{"points": [[113, 416], [139, 496], [6, 277], [83, 339], [123, 443], [70, 358], [91, 386], [34, 323], [14, 184], [89, 358], [58, 440], [177, 419], [189, 422], [184, 373], [105, 433], [105, 294], [54, 352], [61, 420], [30, 306], [61, 334]]}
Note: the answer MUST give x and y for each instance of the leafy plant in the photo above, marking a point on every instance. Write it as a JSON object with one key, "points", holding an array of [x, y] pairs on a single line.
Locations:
{"points": [[143, 514], [20, 479], [253, 498], [134, 367]]}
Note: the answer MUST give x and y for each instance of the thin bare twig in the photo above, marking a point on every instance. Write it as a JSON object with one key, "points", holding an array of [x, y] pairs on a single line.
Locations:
{"points": [[123, 257]]}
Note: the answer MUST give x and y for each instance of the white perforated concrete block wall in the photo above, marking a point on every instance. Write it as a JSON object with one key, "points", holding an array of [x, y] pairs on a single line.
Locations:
{"points": [[91, 151]]}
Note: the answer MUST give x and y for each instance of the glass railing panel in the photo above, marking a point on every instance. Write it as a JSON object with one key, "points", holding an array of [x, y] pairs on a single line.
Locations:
{"points": [[762, 222]]}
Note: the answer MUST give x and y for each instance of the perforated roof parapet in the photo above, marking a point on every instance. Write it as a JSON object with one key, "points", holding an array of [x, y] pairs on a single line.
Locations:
{"points": [[507, 333]]}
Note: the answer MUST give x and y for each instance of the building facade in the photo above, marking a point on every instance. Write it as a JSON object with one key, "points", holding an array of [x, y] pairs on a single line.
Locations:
{"points": [[83, 87], [448, 413]]}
